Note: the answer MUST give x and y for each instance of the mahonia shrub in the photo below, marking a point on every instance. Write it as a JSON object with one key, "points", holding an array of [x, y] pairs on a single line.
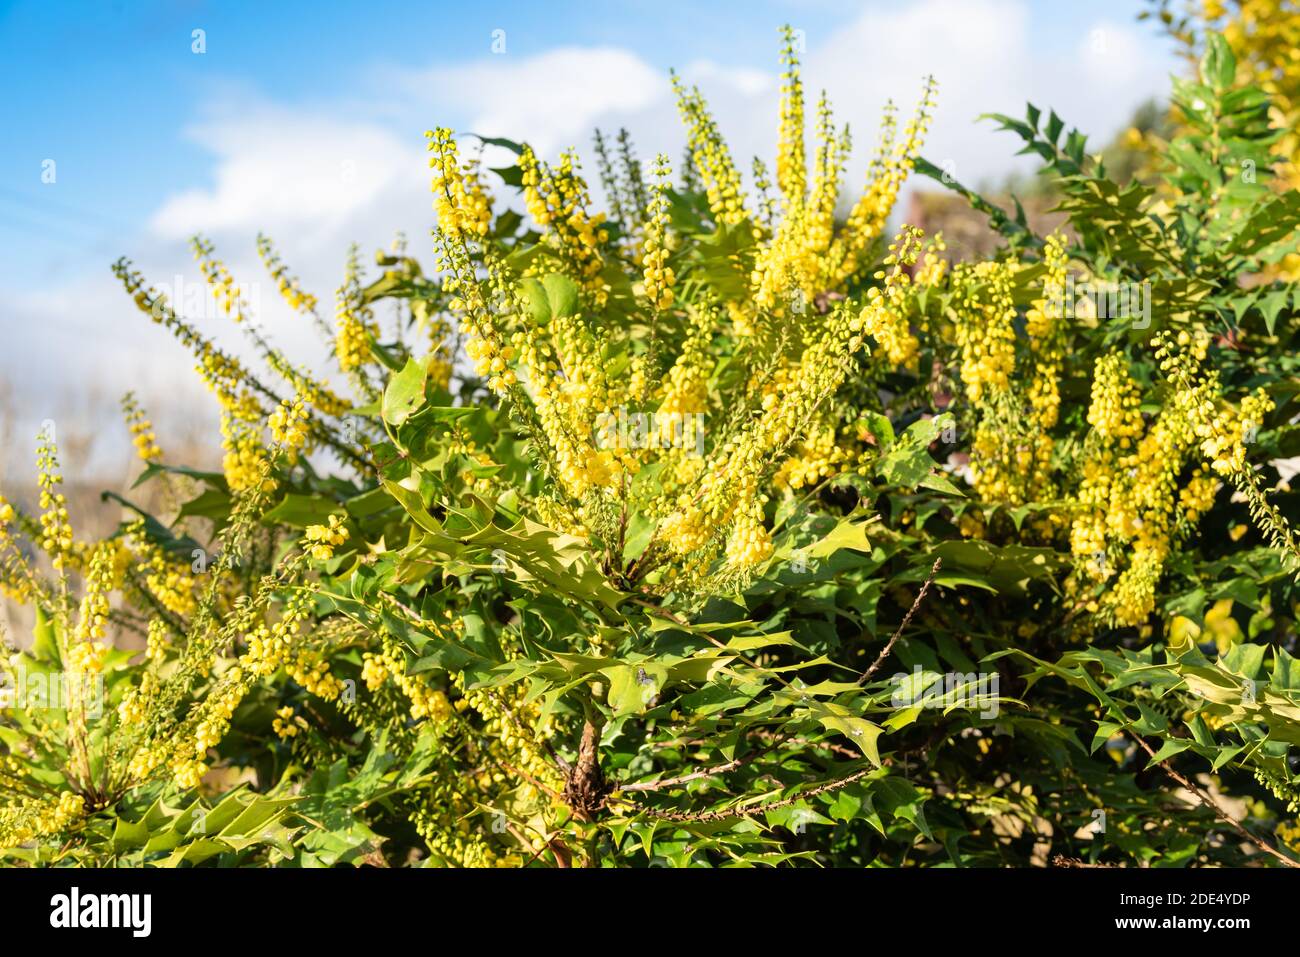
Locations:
{"points": [[646, 535]]}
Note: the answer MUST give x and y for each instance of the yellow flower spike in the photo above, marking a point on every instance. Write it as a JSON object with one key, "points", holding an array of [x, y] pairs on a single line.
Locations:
{"points": [[228, 295], [56, 526], [1130, 506], [985, 329], [142, 434], [290, 289], [885, 317], [463, 205], [711, 158], [791, 269], [658, 274], [832, 153], [791, 174], [1115, 398], [188, 772], [135, 706], [92, 616], [557, 199], [886, 175], [286, 724], [245, 460], [354, 322], [728, 478], [289, 425], [749, 543]]}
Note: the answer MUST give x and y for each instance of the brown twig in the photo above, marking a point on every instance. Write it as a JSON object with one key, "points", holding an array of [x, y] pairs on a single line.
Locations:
{"points": [[727, 813], [1060, 860], [685, 778], [549, 843], [907, 620], [699, 775], [1214, 807]]}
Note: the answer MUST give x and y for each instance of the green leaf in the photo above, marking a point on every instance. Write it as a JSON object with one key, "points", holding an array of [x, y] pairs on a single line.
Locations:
{"points": [[1244, 659], [633, 687], [552, 297], [510, 175], [907, 463], [210, 503], [501, 141], [640, 529], [940, 483], [1054, 127], [1286, 671], [1171, 747], [899, 798], [863, 733], [45, 642], [1008, 569], [299, 511], [1218, 67], [1275, 221], [128, 835], [845, 534], [215, 480], [1271, 304], [405, 392]]}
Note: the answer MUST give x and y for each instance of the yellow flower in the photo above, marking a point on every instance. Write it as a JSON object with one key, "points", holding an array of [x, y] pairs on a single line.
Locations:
{"points": [[790, 172], [557, 198], [711, 158], [290, 290], [188, 772], [56, 526], [134, 707], [463, 205], [286, 724], [325, 538], [353, 320], [229, 296], [1114, 410], [985, 328], [289, 424], [142, 433], [885, 316], [659, 277]]}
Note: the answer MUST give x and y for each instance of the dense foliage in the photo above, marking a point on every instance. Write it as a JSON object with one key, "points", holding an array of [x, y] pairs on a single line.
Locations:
{"points": [[714, 528]]}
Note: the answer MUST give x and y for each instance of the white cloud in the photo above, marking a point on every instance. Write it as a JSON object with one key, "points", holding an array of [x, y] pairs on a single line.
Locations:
{"points": [[278, 169], [987, 58], [551, 99], [1115, 62], [743, 81], [978, 52], [79, 347]]}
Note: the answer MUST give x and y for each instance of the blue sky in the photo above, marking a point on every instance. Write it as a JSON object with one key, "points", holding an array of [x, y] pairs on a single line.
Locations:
{"points": [[307, 120]]}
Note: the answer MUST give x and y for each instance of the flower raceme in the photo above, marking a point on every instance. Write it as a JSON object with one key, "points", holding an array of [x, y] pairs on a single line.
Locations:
{"points": [[558, 368]]}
